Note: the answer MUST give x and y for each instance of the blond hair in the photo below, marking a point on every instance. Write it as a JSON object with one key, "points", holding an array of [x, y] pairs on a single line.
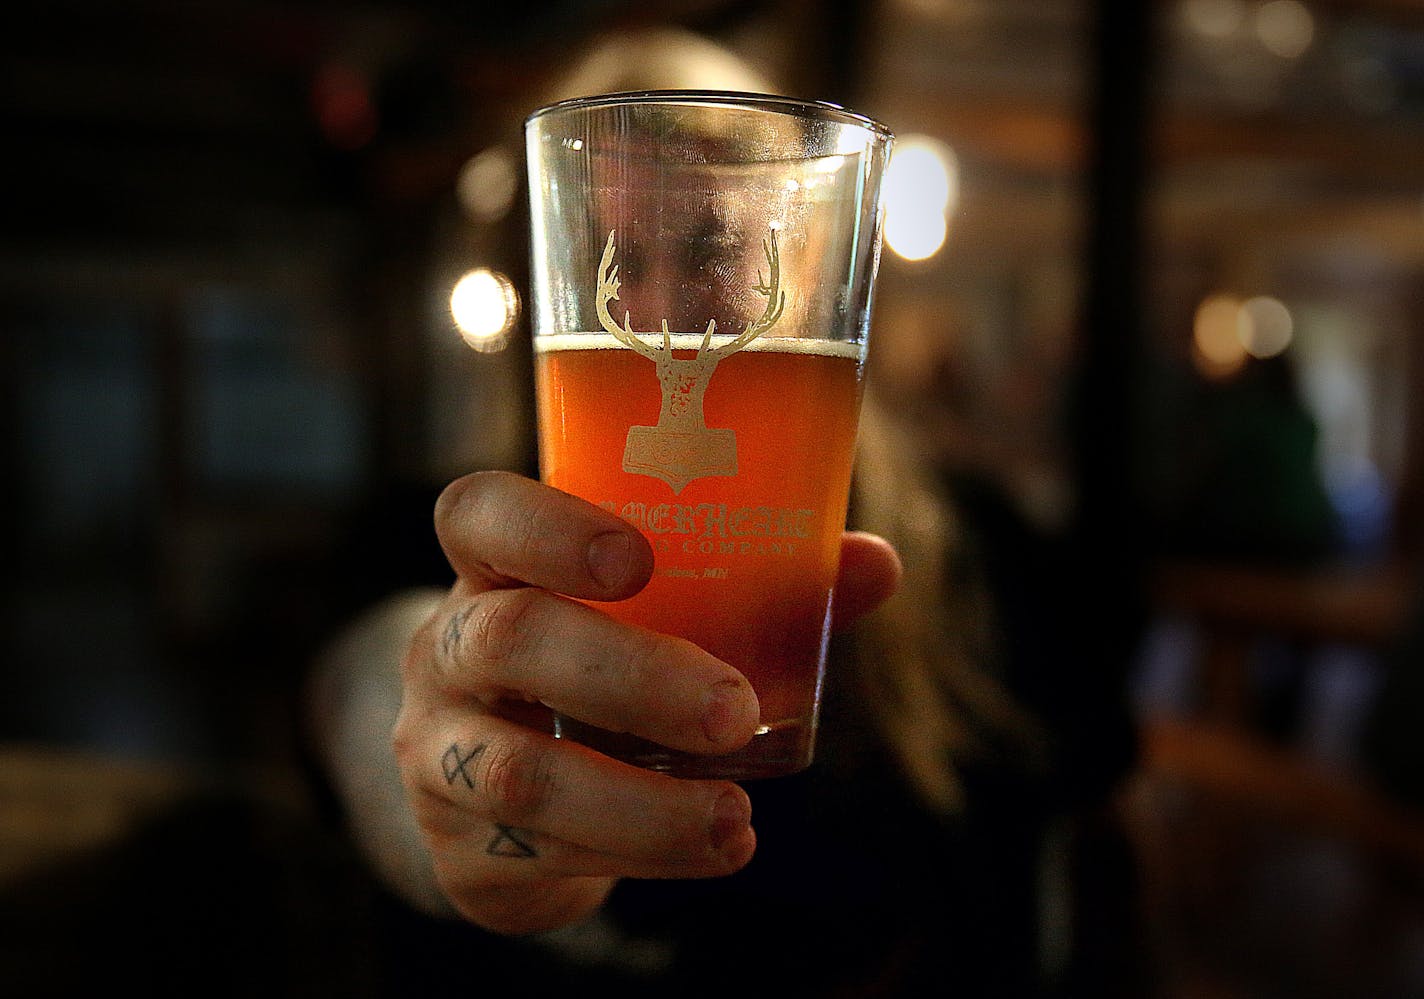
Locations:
{"points": [[924, 660]]}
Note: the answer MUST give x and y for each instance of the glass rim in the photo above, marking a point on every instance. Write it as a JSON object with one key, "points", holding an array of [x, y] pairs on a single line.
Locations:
{"points": [[750, 100]]}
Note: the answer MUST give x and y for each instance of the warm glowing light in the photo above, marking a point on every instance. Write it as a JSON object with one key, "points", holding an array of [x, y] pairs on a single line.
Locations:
{"points": [[915, 236], [1264, 326], [487, 184], [922, 171], [1216, 340], [1285, 27], [1214, 18], [921, 190], [485, 306]]}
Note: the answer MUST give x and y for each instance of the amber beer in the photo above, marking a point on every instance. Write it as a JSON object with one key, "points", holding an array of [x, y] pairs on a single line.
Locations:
{"points": [[701, 269], [746, 550]]}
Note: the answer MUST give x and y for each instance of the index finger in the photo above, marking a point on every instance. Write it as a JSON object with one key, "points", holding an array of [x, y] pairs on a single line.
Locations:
{"points": [[499, 529]]}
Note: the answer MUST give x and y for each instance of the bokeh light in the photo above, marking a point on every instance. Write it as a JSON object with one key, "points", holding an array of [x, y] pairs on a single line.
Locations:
{"points": [[1265, 326], [915, 236], [1285, 27], [484, 305], [487, 184], [1217, 19], [1217, 350], [344, 106], [921, 191]]}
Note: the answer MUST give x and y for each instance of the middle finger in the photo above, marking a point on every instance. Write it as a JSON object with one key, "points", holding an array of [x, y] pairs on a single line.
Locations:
{"points": [[527, 643]]}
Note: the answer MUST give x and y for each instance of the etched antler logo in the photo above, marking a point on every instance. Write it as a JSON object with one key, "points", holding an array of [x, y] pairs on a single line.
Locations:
{"points": [[682, 447]]}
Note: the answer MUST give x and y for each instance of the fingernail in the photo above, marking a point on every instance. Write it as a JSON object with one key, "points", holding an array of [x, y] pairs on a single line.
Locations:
{"points": [[721, 710], [608, 556], [731, 815]]}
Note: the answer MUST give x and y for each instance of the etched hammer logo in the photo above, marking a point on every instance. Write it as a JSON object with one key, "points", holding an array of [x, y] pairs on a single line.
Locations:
{"points": [[682, 447]]}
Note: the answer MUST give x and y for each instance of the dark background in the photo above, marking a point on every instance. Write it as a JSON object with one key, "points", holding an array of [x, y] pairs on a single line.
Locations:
{"points": [[230, 388]]}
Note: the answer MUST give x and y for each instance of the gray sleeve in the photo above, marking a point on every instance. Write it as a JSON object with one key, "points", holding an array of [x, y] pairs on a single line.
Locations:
{"points": [[353, 698]]}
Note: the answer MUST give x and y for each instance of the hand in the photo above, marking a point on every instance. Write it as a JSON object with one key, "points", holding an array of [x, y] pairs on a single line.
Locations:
{"points": [[528, 832]]}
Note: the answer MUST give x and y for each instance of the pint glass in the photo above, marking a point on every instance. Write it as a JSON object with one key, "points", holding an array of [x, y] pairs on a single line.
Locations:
{"points": [[702, 275]]}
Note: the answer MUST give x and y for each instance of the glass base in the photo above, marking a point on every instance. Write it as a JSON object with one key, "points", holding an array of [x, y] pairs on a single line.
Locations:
{"points": [[775, 751]]}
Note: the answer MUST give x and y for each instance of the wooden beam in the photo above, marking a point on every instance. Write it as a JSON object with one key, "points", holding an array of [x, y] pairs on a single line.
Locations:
{"points": [[1281, 784]]}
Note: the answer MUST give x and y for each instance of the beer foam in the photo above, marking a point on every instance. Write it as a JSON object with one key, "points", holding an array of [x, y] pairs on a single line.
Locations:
{"points": [[549, 343]]}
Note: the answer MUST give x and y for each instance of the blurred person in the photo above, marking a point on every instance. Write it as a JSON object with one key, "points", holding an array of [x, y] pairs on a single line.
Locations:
{"points": [[966, 744], [931, 847], [1246, 482]]}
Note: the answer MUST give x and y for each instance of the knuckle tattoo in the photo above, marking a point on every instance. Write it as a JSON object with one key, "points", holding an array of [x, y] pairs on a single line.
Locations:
{"points": [[456, 762], [453, 635], [509, 841]]}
